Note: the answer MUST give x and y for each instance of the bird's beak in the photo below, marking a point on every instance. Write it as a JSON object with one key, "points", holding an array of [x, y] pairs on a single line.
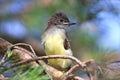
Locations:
{"points": [[69, 23]]}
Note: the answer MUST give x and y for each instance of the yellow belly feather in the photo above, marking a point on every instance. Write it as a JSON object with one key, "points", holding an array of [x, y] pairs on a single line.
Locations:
{"points": [[54, 45]]}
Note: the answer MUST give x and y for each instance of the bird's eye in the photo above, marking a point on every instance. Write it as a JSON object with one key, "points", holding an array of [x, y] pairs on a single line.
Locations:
{"points": [[61, 20]]}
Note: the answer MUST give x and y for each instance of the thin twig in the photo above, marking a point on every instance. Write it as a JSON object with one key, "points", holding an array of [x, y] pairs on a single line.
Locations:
{"points": [[47, 57], [20, 44], [88, 63], [32, 55], [5, 55], [72, 69], [16, 47], [89, 74], [78, 78], [3, 59]]}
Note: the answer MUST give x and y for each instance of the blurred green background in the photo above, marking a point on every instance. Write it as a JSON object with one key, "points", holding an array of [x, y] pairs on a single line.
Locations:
{"points": [[96, 35]]}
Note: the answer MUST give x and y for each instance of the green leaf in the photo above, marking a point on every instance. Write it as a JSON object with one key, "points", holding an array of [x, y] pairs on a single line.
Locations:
{"points": [[31, 73], [9, 54]]}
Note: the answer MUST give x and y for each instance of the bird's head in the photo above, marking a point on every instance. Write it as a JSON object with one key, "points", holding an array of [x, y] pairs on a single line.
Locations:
{"points": [[59, 20]]}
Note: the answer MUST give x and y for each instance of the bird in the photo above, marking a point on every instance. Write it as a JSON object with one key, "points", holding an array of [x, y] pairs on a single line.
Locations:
{"points": [[56, 42]]}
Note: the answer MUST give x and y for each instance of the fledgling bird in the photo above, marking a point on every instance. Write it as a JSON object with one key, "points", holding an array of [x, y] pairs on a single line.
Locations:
{"points": [[55, 40]]}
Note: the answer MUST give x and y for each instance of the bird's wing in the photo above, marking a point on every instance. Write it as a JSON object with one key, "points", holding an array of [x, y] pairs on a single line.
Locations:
{"points": [[67, 43]]}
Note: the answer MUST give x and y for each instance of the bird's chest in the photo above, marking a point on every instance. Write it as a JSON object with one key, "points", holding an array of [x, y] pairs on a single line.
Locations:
{"points": [[54, 42]]}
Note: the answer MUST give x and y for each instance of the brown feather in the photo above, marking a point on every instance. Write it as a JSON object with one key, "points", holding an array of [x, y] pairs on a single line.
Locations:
{"points": [[55, 19], [67, 43]]}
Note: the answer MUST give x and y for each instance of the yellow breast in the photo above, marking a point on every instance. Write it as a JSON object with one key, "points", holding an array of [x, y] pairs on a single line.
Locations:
{"points": [[54, 45]]}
